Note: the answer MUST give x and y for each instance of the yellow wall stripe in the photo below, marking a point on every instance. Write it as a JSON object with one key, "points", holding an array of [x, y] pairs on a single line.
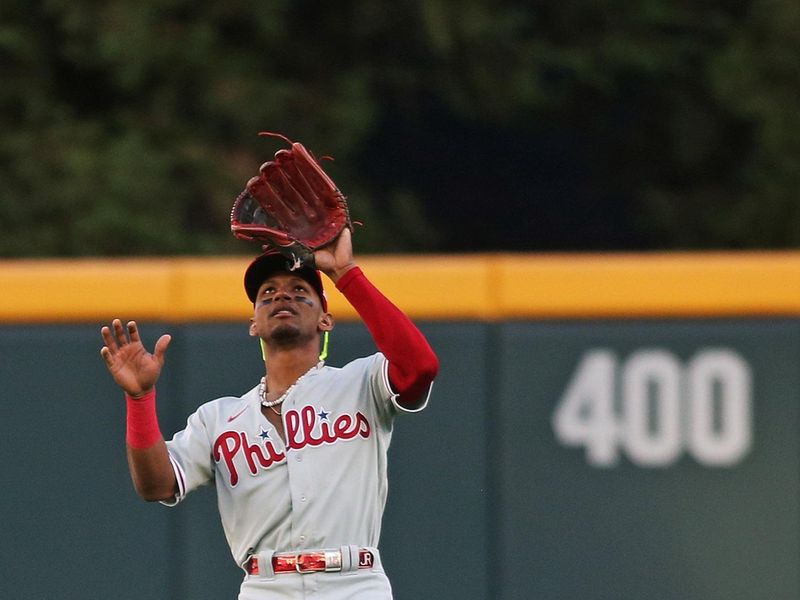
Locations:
{"points": [[486, 287]]}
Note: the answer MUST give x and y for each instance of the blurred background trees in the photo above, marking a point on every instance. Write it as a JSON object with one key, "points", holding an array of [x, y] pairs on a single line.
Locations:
{"points": [[128, 127]]}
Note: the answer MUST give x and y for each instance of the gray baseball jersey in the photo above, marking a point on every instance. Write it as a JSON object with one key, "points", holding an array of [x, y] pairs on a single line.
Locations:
{"points": [[325, 488]]}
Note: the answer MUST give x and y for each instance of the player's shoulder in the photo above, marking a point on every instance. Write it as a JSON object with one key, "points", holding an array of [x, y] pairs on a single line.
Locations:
{"points": [[224, 404], [363, 363]]}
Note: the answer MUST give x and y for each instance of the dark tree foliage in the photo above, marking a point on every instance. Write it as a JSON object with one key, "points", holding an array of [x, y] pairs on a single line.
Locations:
{"points": [[128, 127]]}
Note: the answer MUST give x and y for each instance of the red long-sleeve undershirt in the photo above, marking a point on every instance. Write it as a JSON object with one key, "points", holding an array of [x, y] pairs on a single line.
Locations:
{"points": [[412, 362]]}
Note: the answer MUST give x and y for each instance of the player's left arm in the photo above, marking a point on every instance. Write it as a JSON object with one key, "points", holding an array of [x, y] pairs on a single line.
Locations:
{"points": [[413, 364]]}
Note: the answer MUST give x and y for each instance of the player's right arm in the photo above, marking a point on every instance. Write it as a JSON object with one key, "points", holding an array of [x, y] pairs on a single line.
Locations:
{"points": [[413, 364], [136, 371]]}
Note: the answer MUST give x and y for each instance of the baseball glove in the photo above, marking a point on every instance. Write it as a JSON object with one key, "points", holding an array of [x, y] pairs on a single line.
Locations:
{"points": [[292, 206]]}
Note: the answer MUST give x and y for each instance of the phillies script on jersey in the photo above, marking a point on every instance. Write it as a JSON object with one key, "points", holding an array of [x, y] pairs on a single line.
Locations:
{"points": [[308, 426]]}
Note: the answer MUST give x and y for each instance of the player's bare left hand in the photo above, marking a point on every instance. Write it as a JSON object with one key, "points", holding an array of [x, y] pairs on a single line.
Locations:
{"points": [[133, 368]]}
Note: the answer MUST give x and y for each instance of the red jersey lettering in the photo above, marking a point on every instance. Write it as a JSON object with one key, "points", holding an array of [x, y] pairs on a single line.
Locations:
{"points": [[306, 427]]}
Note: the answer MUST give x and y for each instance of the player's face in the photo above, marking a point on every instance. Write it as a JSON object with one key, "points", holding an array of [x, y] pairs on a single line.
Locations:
{"points": [[287, 310]]}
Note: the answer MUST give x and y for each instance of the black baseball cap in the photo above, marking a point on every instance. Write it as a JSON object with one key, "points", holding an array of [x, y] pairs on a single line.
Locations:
{"points": [[271, 262]]}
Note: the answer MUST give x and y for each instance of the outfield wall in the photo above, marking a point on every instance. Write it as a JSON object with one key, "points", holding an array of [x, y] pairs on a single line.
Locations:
{"points": [[483, 287], [605, 427]]}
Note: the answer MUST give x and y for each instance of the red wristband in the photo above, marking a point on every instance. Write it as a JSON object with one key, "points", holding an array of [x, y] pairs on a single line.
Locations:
{"points": [[143, 430]]}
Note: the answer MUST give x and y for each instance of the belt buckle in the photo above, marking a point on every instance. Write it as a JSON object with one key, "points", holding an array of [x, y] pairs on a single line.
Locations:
{"points": [[298, 564], [332, 561]]}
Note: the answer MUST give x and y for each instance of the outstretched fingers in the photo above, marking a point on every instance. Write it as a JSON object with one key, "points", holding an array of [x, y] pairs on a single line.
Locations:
{"points": [[105, 353], [161, 347], [132, 367], [133, 331], [111, 346], [115, 338], [108, 338], [119, 332]]}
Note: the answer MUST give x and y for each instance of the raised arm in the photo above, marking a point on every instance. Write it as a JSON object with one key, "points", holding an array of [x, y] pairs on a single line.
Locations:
{"points": [[136, 371], [412, 362]]}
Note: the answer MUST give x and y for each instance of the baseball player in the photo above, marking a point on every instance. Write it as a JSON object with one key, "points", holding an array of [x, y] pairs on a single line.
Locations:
{"points": [[299, 461]]}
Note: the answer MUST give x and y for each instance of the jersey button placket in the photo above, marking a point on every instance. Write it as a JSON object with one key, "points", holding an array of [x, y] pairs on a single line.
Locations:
{"points": [[299, 484]]}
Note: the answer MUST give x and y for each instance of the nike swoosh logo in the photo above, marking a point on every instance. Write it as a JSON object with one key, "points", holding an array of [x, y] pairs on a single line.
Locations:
{"points": [[232, 417]]}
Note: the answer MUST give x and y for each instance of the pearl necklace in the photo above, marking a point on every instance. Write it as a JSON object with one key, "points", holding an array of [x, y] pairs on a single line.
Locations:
{"points": [[262, 393], [262, 389]]}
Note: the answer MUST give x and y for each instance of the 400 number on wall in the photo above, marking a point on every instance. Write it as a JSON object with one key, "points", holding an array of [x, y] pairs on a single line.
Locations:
{"points": [[655, 408]]}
